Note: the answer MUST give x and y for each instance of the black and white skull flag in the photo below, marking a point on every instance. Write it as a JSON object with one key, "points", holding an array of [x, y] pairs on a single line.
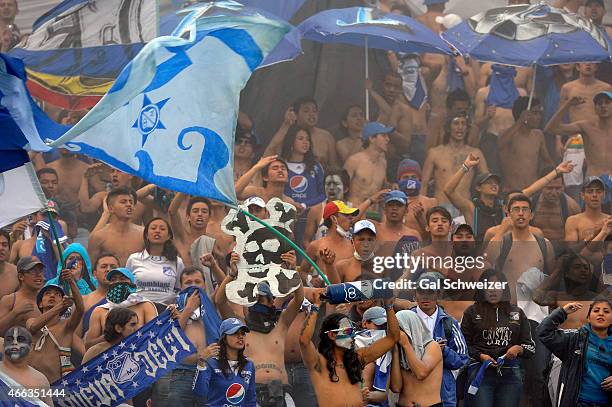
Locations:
{"points": [[260, 250]]}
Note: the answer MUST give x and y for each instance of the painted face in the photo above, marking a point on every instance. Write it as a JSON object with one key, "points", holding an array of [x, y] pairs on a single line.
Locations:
{"points": [[334, 188], [17, 343], [345, 335]]}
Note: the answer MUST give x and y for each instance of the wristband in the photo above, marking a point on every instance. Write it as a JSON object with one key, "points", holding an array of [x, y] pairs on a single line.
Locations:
{"points": [[314, 308], [465, 168]]}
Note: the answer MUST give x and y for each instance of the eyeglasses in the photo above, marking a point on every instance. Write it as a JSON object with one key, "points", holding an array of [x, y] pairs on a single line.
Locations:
{"points": [[520, 209]]}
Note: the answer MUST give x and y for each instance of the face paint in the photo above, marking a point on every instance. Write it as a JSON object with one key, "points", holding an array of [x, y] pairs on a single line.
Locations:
{"points": [[17, 343], [334, 187], [345, 334], [119, 292]]}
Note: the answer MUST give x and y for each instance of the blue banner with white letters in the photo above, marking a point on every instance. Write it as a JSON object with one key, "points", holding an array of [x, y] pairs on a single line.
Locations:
{"points": [[126, 369]]}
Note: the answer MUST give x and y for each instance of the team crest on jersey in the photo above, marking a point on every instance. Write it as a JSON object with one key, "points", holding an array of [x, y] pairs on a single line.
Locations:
{"points": [[123, 368]]}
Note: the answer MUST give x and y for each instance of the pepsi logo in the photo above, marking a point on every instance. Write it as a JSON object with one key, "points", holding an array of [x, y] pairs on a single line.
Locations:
{"points": [[235, 393], [298, 183]]}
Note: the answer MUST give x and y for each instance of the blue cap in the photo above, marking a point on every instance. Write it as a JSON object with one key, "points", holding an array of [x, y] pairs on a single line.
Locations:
{"points": [[592, 179], [377, 315], [232, 325], [123, 271], [397, 196], [263, 288], [373, 128], [46, 288], [430, 2], [598, 96]]}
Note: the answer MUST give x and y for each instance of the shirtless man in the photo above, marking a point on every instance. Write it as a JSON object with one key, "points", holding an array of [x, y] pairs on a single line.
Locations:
{"points": [[336, 384], [120, 323], [52, 335], [305, 112], [70, 172], [439, 227], [584, 88], [266, 341], [8, 11], [595, 132], [274, 174], [121, 291], [443, 161], [522, 147], [435, 8], [549, 214], [457, 103], [409, 181], [102, 266], [352, 123], [364, 245], [8, 271], [392, 229], [492, 121], [586, 225], [338, 218], [420, 381], [198, 214], [223, 242], [525, 251], [368, 168], [17, 308], [120, 236], [15, 368], [244, 151]]}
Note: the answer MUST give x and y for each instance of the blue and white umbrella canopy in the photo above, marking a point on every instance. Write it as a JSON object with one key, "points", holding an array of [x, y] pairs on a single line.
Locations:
{"points": [[528, 35]]}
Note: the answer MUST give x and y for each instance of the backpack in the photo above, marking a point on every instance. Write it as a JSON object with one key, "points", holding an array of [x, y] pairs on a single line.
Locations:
{"points": [[507, 246]]}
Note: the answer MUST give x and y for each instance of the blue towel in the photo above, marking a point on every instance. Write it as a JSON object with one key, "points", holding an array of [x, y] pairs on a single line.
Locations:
{"points": [[475, 385], [454, 78], [208, 313], [502, 90]]}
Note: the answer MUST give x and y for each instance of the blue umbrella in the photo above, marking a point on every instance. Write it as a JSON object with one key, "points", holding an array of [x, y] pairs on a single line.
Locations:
{"points": [[528, 35], [361, 26]]}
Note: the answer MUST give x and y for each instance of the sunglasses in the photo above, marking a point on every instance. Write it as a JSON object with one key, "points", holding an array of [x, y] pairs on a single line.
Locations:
{"points": [[348, 331]]}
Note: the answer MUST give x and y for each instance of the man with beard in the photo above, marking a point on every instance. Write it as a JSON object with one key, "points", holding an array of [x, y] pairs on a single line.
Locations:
{"points": [[266, 342], [444, 160], [595, 130], [17, 308], [338, 218], [409, 181], [522, 147], [335, 367], [368, 168], [53, 335], [364, 245], [586, 225], [8, 271], [121, 293], [14, 368], [120, 236]]}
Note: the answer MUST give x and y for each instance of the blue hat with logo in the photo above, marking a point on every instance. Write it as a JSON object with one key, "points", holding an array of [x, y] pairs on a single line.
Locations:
{"points": [[373, 128], [46, 288], [232, 325], [397, 196]]}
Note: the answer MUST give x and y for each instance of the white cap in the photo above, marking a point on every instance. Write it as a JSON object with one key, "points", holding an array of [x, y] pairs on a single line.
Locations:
{"points": [[449, 20], [255, 200], [363, 224]]}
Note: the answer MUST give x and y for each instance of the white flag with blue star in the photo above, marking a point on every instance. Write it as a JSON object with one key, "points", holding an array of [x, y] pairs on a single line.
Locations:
{"points": [[171, 114]]}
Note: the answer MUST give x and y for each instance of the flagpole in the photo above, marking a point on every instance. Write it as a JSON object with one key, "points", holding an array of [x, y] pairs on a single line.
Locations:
{"points": [[59, 248], [367, 75], [292, 244], [532, 87]]}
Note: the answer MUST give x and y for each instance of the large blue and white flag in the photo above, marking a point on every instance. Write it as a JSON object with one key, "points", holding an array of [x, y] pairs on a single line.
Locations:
{"points": [[22, 123], [126, 369], [171, 114], [20, 192], [14, 394]]}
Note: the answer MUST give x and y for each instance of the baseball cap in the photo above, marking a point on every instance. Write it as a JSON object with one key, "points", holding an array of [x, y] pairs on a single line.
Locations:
{"points": [[263, 288], [362, 225], [46, 288], [589, 180], [373, 128], [232, 325], [463, 226], [408, 166], [448, 20], [51, 206], [600, 2], [335, 207], [600, 95], [255, 200], [397, 196], [377, 315], [27, 263], [123, 271], [482, 178]]}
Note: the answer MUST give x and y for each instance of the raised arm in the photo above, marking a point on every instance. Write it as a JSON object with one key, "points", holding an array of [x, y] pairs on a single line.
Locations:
{"points": [[242, 190], [277, 140], [421, 367], [450, 189], [383, 107], [428, 168], [381, 346], [563, 168], [555, 125], [293, 308], [174, 217], [77, 313], [310, 355], [220, 298]]}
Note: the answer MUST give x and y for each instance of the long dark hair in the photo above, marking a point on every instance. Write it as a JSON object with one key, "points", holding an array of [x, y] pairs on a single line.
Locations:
{"points": [[169, 251], [117, 316], [350, 359], [223, 361], [449, 122], [309, 158], [485, 308]]}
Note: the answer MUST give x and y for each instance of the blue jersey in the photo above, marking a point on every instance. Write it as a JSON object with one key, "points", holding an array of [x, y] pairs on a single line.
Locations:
{"points": [[222, 391], [305, 187]]}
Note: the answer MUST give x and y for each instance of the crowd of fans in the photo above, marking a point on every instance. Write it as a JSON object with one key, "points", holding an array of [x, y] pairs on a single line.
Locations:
{"points": [[525, 188]]}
